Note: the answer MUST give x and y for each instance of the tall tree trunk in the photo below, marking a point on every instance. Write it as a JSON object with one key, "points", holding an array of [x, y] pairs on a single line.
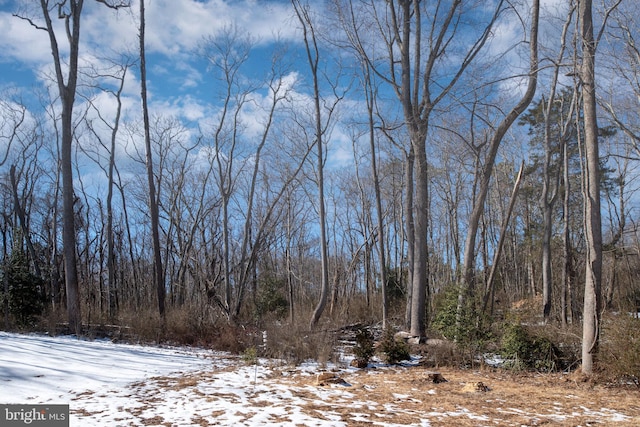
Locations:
{"points": [[549, 193], [111, 255], [420, 276], [67, 91], [489, 290], [409, 231], [158, 276], [313, 56], [567, 268], [593, 224], [376, 185]]}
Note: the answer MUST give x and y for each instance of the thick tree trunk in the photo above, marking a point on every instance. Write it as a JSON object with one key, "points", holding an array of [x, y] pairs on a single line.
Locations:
{"points": [[593, 226], [409, 228], [420, 285]]}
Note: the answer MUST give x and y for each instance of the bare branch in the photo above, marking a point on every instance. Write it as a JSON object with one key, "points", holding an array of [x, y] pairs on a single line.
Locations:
{"points": [[30, 21], [115, 5]]}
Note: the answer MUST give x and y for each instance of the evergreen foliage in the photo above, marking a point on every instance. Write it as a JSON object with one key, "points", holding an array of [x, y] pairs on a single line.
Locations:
{"points": [[363, 349], [527, 351], [396, 284], [26, 296], [270, 301], [395, 351], [470, 331]]}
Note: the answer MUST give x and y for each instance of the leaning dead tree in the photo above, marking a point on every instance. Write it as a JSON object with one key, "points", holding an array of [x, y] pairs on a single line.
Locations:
{"points": [[468, 279]]}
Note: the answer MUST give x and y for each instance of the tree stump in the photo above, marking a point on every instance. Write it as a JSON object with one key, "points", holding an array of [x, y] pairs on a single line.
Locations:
{"points": [[435, 377]]}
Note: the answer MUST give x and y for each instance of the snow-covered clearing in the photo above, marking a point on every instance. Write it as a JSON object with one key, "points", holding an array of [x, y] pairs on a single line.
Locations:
{"points": [[109, 384]]}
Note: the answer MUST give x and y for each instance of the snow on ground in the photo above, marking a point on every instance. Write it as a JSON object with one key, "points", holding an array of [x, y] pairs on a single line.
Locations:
{"points": [[43, 369], [109, 384]]}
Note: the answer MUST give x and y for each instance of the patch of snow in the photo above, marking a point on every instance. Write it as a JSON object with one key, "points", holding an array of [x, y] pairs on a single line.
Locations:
{"points": [[43, 369], [109, 384], [494, 360]]}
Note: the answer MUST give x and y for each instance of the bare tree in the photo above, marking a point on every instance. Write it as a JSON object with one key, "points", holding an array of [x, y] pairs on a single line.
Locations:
{"points": [[489, 289], [585, 71], [22, 140], [13, 119], [593, 221], [227, 54], [485, 176], [303, 13], [158, 274], [415, 38], [113, 74], [67, 79], [370, 90], [550, 187]]}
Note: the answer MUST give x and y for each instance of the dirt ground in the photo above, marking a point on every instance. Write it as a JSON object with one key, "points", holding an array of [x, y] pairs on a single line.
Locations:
{"points": [[408, 395]]}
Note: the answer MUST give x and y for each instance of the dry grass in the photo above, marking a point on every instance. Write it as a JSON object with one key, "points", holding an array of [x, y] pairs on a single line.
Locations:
{"points": [[407, 395], [399, 396]]}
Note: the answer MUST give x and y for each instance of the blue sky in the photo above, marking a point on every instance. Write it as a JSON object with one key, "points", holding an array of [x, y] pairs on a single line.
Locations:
{"points": [[178, 83], [174, 30]]}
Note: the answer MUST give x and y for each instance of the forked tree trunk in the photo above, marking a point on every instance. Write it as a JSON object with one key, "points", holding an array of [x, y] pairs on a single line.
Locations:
{"points": [[67, 92]]}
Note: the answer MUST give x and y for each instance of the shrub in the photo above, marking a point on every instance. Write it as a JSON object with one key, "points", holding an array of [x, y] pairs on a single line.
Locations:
{"points": [[270, 301], [468, 329], [394, 351], [527, 351], [295, 343], [445, 307], [250, 356], [363, 349], [620, 348], [26, 296]]}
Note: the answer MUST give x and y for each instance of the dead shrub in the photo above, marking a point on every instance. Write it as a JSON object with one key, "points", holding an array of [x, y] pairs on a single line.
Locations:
{"points": [[185, 325], [436, 352], [145, 325], [620, 348], [295, 342]]}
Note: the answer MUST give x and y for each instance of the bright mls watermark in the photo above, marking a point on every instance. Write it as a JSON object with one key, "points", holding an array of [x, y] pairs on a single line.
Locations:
{"points": [[34, 415]]}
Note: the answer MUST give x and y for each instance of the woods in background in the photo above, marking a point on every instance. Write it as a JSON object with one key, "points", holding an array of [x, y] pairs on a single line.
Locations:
{"points": [[365, 172]]}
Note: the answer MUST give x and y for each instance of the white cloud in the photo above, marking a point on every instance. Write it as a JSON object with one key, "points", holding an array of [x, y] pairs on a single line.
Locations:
{"points": [[21, 41], [173, 27], [184, 107]]}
